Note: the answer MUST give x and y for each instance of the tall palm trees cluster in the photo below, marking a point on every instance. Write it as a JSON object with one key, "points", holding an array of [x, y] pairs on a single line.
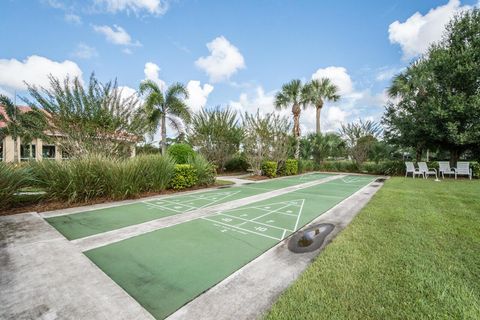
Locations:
{"points": [[170, 106], [296, 95]]}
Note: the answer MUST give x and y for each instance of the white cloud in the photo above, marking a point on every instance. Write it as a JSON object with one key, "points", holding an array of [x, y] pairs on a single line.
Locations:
{"points": [[257, 100], [338, 75], [84, 51], [224, 60], [417, 33], [35, 71], [73, 18], [155, 7], [117, 35], [197, 94], [152, 72]]}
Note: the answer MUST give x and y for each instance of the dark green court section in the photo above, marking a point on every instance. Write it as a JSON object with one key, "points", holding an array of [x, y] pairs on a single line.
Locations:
{"points": [[167, 268], [87, 223]]}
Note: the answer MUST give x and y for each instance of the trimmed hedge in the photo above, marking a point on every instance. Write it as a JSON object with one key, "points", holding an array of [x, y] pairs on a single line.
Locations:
{"points": [[291, 167], [185, 176], [269, 169]]}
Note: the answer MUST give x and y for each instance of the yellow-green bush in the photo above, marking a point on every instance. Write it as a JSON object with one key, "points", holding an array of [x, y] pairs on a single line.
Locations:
{"points": [[291, 167], [269, 169], [185, 176]]}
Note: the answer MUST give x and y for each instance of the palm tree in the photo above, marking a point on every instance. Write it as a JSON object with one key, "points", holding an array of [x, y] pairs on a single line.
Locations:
{"points": [[162, 106], [319, 91], [294, 94], [25, 125]]}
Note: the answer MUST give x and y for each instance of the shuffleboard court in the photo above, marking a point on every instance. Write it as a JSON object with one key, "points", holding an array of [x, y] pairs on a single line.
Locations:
{"points": [[87, 223], [167, 268]]}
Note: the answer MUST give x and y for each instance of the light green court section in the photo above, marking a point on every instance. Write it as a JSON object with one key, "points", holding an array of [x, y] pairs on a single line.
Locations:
{"points": [[165, 269], [87, 223]]}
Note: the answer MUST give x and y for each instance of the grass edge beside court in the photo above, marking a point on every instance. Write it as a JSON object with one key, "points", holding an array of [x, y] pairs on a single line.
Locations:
{"points": [[389, 264]]}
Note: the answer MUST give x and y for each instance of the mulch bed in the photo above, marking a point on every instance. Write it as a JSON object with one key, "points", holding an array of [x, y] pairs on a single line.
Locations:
{"points": [[257, 178]]}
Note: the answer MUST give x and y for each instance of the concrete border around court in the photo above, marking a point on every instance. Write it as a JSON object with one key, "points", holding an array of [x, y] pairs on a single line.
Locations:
{"points": [[109, 237], [250, 291]]}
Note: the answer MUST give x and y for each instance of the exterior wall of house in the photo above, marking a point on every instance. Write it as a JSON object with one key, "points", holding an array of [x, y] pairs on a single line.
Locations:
{"points": [[8, 149]]}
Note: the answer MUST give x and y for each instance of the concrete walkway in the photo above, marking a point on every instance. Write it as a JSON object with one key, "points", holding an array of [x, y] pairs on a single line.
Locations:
{"points": [[44, 276]]}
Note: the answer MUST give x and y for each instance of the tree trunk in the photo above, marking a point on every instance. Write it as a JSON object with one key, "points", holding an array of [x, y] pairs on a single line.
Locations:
{"points": [[319, 110], [16, 158], [163, 143], [418, 156], [454, 156], [296, 129]]}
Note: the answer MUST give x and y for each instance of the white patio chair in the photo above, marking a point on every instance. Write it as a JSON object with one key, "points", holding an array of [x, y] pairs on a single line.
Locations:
{"points": [[426, 171], [410, 168], [444, 168], [463, 169]]}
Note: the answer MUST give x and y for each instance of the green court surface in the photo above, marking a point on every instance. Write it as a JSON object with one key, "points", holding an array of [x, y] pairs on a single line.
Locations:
{"points": [[166, 268], [87, 223]]}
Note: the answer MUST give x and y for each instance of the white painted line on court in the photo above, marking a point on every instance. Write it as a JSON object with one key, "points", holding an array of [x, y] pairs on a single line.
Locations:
{"points": [[228, 225], [299, 213], [247, 220]]}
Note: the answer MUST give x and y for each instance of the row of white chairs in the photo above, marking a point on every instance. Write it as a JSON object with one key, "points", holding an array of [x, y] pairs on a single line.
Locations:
{"points": [[463, 168]]}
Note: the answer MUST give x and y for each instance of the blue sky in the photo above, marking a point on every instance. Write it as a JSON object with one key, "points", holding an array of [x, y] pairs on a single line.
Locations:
{"points": [[235, 53]]}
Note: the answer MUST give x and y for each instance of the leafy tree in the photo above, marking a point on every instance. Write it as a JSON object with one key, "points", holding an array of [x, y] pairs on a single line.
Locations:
{"points": [[24, 125], [359, 138], [161, 107], [96, 119], [439, 96], [293, 94], [216, 134], [317, 92], [265, 138]]}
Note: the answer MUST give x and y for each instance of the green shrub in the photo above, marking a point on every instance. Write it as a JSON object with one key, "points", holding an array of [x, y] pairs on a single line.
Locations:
{"points": [[93, 177], [147, 173], [185, 176], [75, 180], [339, 166], [291, 167], [475, 169], [12, 179], [269, 169], [205, 170], [305, 166], [180, 152], [237, 163]]}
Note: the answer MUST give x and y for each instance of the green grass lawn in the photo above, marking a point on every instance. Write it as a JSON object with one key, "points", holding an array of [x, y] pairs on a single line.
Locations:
{"points": [[412, 253]]}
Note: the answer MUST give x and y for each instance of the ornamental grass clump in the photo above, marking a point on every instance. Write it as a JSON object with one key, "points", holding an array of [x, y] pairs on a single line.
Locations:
{"points": [[12, 179]]}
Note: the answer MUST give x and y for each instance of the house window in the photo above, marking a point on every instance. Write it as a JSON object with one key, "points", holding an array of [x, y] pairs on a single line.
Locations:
{"points": [[27, 152], [48, 152], [65, 155]]}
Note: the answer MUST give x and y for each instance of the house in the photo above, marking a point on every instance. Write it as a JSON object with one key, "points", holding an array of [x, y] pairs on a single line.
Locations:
{"points": [[38, 149]]}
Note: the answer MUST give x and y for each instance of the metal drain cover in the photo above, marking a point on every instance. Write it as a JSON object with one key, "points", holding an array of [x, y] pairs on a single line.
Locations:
{"points": [[311, 238]]}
